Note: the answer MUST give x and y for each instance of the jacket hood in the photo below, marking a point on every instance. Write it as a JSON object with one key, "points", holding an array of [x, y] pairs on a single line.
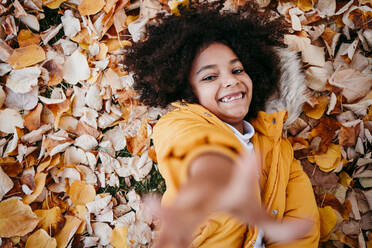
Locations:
{"points": [[291, 94]]}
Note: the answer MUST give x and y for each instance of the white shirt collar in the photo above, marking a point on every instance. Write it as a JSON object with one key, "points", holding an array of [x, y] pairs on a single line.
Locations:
{"points": [[248, 131]]}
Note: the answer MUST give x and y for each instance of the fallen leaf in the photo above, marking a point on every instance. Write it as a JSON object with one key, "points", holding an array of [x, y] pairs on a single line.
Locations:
{"points": [[6, 183], [22, 101], [40, 183], [51, 220], [355, 85], [90, 7], [81, 193], [318, 110], [326, 131], [40, 239], [118, 237], [348, 135], [22, 80], [76, 68], [328, 220], [16, 218], [26, 56], [330, 160], [13, 119], [32, 119], [26, 37], [64, 236], [103, 231]]}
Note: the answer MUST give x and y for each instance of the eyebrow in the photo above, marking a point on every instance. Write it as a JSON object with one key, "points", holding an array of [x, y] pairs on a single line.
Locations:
{"points": [[213, 66]]}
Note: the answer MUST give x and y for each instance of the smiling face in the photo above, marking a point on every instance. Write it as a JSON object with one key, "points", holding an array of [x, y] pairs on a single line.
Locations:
{"points": [[220, 83]]}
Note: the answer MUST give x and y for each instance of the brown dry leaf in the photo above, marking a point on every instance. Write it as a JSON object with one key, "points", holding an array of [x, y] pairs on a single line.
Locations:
{"points": [[41, 239], [81, 193], [331, 39], [51, 220], [317, 111], [11, 166], [330, 160], [90, 7], [358, 17], [26, 56], [348, 135], [326, 131], [55, 72], [16, 218], [32, 119], [26, 37], [65, 235], [118, 237], [40, 183]]}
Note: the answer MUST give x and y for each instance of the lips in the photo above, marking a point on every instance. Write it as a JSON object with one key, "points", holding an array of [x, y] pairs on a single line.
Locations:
{"points": [[232, 97]]}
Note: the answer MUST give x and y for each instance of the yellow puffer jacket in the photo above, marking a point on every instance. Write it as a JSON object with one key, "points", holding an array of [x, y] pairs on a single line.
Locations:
{"points": [[191, 130]]}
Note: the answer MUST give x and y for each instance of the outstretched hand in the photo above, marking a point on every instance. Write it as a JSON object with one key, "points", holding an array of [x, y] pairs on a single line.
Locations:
{"points": [[219, 185]]}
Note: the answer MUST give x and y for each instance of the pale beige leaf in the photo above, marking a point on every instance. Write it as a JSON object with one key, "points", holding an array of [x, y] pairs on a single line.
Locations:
{"points": [[22, 80], [10, 119], [93, 98], [103, 231], [16, 218], [6, 183], [31, 21], [22, 101], [71, 25], [5, 51], [76, 68], [36, 135], [49, 34], [316, 77]]}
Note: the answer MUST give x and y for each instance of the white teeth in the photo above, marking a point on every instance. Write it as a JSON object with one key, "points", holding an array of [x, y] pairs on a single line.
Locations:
{"points": [[229, 99]]}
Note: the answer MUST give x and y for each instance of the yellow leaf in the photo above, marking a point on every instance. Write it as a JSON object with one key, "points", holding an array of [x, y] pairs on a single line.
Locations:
{"points": [[50, 219], [173, 4], [90, 7], [114, 44], [26, 56], [26, 37], [330, 160], [328, 220], [40, 183], [118, 237], [345, 179], [41, 239], [71, 225], [81, 193], [318, 110], [81, 212], [16, 218], [131, 19], [54, 4]]}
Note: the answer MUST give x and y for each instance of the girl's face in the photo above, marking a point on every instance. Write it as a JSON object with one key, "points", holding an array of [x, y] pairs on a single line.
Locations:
{"points": [[221, 84]]}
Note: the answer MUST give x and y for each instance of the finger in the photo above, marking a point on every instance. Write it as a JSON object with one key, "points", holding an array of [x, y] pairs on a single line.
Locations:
{"points": [[288, 230]]}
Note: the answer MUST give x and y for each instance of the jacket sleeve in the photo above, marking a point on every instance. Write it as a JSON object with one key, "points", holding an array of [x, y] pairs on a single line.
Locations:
{"points": [[300, 203], [179, 137]]}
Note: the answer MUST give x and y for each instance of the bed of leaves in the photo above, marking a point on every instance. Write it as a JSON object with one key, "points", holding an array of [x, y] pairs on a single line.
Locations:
{"points": [[75, 148]]}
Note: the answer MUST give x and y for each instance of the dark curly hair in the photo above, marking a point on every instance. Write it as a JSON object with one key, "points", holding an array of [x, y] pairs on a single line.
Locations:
{"points": [[162, 61]]}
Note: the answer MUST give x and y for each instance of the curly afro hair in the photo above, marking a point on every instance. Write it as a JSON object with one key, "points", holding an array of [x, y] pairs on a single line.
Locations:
{"points": [[162, 62]]}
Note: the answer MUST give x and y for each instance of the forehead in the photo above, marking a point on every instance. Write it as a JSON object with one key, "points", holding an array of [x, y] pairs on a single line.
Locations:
{"points": [[214, 53]]}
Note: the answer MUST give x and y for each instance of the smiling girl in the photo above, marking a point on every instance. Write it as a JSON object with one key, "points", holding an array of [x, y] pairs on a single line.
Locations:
{"points": [[231, 177]]}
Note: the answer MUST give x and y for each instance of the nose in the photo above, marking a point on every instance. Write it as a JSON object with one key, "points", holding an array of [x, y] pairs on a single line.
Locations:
{"points": [[230, 81]]}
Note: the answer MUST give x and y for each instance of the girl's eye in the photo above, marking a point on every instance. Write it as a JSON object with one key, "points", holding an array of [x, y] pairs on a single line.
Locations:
{"points": [[237, 71], [209, 78]]}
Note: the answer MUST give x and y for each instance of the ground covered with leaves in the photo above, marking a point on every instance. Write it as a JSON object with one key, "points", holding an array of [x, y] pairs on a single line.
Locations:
{"points": [[75, 147]]}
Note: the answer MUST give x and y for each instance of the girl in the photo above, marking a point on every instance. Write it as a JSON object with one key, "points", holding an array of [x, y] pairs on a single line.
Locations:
{"points": [[219, 69]]}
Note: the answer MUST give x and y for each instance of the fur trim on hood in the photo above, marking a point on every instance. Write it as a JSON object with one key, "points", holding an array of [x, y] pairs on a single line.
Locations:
{"points": [[292, 87]]}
